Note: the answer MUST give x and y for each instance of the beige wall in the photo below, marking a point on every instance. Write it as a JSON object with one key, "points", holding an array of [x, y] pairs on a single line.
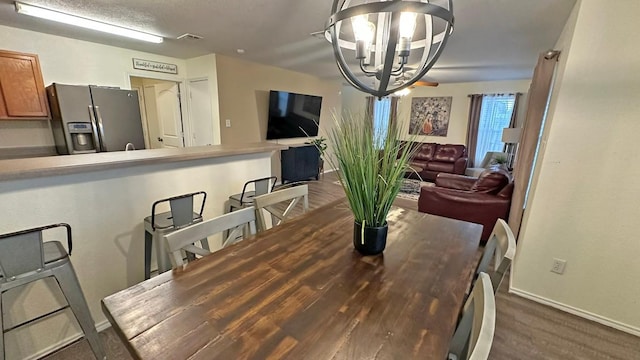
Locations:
{"points": [[71, 61], [457, 132], [584, 201], [243, 90], [354, 101]]}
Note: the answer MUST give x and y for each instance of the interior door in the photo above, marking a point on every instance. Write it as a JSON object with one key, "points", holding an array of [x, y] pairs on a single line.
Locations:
{"points": [[151, 111], [201, 115], [169, 114]]}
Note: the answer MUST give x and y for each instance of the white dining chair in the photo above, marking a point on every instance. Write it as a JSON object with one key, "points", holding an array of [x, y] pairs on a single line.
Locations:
{"points": [[275, 201], [473, 337], [501, 247], [237, 225]]}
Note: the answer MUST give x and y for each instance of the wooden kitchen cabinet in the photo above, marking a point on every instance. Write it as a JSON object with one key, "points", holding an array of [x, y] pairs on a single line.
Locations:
{"points": [[22, 93]]}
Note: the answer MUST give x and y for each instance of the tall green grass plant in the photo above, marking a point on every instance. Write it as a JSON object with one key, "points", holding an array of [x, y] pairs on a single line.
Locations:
{"points": [[371, 165]]}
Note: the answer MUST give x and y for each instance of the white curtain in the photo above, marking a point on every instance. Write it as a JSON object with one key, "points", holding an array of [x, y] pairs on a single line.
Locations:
{"points": [[495, 115]]}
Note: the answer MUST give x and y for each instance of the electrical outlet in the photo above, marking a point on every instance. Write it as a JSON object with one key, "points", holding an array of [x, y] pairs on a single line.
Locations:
{"points": [[227, 122], [558, 266]]}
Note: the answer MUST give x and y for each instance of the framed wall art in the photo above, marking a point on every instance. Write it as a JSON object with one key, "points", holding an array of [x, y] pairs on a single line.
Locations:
{"points": [[430, 115]]}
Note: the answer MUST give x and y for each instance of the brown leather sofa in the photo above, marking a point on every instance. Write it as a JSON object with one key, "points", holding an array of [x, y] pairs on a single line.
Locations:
{"points": [[480, 200], [431, 159]]}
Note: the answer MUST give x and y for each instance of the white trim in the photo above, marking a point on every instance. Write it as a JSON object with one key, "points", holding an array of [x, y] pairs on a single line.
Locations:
{"points": [[101, 326], [185, 110], [578, 312]]}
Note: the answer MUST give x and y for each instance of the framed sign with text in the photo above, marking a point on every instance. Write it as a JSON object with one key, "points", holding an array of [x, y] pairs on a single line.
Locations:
{"points": [[149, 65]]}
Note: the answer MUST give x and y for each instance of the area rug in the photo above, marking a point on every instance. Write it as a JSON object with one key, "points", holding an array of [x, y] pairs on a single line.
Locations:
{"points": [[409, 190]]}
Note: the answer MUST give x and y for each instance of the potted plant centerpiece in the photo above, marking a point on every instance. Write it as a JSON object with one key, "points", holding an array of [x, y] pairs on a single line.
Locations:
{"points": [[371, 167]]}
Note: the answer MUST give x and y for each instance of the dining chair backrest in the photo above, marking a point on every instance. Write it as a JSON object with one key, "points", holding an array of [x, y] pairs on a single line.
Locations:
{"points": [[501, 247], [473, 337], [182, 211], [22, 252], [235, 223], [280, 204]]}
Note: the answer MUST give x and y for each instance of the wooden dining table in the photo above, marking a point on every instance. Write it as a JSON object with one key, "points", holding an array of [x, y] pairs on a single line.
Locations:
{"points": [[301, 291]]}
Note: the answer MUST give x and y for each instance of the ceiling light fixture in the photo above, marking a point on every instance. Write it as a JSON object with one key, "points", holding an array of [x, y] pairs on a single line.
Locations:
{"points": [[385, 37], [43, 13], [403, 92]]}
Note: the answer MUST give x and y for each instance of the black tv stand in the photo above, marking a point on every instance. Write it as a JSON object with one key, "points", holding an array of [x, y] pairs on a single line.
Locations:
{"points": [[300, 162]]}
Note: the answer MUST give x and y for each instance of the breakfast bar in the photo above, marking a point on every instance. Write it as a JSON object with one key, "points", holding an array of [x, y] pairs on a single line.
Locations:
{"points": [[105, 197]]}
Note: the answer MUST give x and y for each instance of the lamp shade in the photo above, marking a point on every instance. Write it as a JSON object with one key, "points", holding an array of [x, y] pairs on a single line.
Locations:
{"points": [[511, 135]]}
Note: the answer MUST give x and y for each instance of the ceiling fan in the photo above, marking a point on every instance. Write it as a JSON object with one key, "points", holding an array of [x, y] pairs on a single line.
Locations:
{"points": [[407, 74], [400, 79]]}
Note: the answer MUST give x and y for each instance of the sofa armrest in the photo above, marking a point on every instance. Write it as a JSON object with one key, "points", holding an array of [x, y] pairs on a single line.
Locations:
{"points": [[453, 181], [460, 165], [480, 208]]}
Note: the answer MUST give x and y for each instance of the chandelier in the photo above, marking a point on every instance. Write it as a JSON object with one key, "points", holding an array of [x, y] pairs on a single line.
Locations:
{"points": [[389, 45]]}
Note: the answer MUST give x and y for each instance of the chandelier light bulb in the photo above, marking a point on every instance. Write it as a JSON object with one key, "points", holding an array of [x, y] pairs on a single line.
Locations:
{"points": [[407, 24], [406, 29], [363, 31]]}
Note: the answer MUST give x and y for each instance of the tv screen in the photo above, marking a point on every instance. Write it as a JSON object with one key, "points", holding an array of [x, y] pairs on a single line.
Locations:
{"points": [[293, 115]]}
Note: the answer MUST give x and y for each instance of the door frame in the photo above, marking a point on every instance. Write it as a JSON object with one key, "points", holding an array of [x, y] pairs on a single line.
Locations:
{"points": [[185, 106]]}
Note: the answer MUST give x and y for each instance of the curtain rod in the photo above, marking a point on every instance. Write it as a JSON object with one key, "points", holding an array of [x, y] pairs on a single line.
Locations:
{"points": [[495, 94]]}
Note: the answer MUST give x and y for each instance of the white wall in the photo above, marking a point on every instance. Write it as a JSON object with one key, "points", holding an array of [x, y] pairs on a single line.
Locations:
{"points": [[204, 67], [71, 61], [584, 202], [354, 101], [105, 210]]}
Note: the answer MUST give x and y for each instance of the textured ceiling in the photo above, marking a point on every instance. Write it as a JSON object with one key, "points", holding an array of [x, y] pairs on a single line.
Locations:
{"points": [[493, 39]]}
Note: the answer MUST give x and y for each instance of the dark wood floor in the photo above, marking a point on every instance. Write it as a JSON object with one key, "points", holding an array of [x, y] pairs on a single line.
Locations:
{"points": [[525, 330]]}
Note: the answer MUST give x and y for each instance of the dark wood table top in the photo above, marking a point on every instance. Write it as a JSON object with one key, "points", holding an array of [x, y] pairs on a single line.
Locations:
{"points": [[300, 291]]}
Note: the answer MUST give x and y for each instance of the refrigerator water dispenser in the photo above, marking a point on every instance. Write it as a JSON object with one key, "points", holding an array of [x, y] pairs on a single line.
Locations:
{"points": [[81, 137]]}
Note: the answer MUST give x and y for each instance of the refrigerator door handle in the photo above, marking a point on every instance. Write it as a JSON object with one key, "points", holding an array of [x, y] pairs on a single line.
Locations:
{"points": [[94, 129], [100, 127]]}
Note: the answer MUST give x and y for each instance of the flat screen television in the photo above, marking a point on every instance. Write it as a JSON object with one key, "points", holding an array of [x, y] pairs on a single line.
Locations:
{"points": [[293, 115]]}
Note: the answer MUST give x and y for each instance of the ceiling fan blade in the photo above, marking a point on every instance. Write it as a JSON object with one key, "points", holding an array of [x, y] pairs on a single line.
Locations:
{"points": [[425, 83]]}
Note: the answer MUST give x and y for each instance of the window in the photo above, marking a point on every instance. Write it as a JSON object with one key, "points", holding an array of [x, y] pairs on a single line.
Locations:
{"points": [[381, 117], [495, 115]]}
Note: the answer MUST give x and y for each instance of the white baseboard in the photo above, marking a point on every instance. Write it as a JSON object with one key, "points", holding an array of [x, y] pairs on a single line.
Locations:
{"points": [[101, 326], [578, 312]]}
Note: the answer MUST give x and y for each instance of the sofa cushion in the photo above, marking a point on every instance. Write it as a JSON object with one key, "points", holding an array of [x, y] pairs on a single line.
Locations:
{"points": [[491, 181], [425, 152], [449, 152], [440, 166]]}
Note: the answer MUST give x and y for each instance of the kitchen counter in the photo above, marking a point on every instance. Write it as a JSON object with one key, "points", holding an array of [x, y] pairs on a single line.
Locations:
{"points": [[70, 164]]}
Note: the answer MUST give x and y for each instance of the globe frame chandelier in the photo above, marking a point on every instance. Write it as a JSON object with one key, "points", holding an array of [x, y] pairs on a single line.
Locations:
{"points": [[384, 36]]}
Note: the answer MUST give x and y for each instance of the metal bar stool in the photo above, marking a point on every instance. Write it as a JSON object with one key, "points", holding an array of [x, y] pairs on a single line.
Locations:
{"points": [[25, 258], [181, 214], [260, 187]]}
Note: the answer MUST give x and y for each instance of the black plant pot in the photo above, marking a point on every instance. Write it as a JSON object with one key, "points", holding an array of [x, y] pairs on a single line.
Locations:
{"points": [[375, 239]]}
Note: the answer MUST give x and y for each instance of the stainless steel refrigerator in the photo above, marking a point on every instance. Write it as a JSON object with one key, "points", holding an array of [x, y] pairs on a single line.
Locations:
{"points": [[88, 119]]}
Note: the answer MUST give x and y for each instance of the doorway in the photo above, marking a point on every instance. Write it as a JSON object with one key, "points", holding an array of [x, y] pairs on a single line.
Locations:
{"points": [[161, 110]]}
